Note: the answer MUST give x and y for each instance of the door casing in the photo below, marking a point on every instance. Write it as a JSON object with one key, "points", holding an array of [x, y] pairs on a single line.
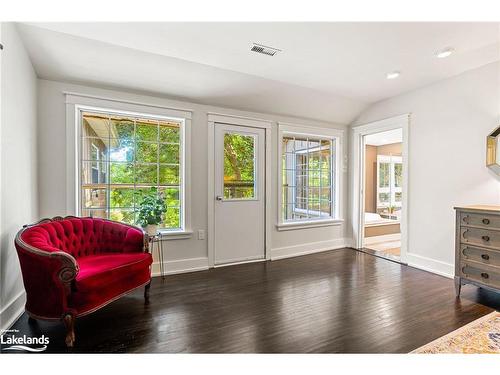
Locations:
{"points": [[358, 134], [214, 118]]}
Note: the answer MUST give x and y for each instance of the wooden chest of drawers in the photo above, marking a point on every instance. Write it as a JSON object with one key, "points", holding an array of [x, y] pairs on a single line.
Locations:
{"points": [[477, 244]]}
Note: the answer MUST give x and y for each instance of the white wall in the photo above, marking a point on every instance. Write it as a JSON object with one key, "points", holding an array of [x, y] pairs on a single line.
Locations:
{"points": [[19, 196], [447, 146], [181, 254]]}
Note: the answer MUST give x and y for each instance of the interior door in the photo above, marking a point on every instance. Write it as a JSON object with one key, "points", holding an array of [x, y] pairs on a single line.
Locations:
{"points": [[239, 193]]}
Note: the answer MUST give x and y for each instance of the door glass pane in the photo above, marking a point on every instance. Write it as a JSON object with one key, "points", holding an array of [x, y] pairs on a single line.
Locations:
{"points": [[239, 166]]}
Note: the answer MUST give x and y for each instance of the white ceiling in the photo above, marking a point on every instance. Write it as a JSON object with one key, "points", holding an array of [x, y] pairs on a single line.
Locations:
{"points": [[328, 71], [385, 138]]}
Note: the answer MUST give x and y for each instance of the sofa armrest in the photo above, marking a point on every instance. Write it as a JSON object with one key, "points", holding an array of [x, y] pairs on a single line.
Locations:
{"points": [[135, 240], [48, 276]]}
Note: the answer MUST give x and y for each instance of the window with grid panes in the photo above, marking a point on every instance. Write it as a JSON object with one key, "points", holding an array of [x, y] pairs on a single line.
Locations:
{"points": [[122, 158], [307, 178]]}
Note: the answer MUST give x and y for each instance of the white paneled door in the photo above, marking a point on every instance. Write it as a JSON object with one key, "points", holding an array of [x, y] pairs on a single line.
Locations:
{"points": [[239, 193]]}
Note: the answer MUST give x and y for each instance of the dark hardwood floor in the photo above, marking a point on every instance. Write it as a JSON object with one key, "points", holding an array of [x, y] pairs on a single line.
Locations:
{"points": [[341, 301]]}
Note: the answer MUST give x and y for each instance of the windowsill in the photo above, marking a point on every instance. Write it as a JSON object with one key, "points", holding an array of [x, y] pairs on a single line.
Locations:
{"points": [[168, 235], [308, 224]]}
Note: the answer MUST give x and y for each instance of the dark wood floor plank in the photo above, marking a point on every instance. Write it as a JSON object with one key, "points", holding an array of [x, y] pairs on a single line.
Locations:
{"points": [[340, 301]]}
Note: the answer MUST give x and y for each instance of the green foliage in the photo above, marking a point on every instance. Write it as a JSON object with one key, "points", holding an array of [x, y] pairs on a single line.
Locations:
{"points": [[151, 209], [238, 166]]}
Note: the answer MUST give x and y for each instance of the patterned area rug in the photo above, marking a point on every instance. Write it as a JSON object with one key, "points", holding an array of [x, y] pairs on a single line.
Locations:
{"points": [[480, 336]]}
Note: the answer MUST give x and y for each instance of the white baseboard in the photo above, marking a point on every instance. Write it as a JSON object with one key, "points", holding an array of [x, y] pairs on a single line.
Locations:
{"points": [[430, 265], [308, 248], [171, 267], [12, 311]]}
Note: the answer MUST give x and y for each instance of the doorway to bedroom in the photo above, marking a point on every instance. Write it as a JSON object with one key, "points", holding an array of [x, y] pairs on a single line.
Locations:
{"points": [[380, 187], [383, 193]]}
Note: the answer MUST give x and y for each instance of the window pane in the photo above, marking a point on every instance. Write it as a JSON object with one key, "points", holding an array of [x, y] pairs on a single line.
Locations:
{"points": [[169, 153], [325, 155], [325, 179], [239, 166], [313, 193], [140, 193], [172, 218], [146, 152], [398, 174], [326, 207], [121, 173], [171, 196], [384, 198], [398, 196], [314, 160], [146, 130], [121, 127], [93, 198], [384, 174], [169, 175], [95, 125], [121, 150], [300, 144], [121, 197], [325, 193], [95, 149], [94, 173], [169, 132], [146, 174], [288, 144]]}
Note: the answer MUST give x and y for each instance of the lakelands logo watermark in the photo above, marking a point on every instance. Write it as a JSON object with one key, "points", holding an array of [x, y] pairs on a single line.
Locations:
{"points": [[22, 343]]}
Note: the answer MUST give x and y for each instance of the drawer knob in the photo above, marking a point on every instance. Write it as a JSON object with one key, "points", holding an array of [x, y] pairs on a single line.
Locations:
{"points": [[465, 218], [485, 256], [484, 275], [486, 221], [485, 238]]}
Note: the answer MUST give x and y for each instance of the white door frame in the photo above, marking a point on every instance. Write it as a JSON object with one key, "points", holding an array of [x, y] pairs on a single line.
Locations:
{"points": [[358, 176], [214, 118]]}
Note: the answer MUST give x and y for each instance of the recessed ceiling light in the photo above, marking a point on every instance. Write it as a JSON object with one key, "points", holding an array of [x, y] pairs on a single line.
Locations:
{"points": [[444, 53], [393, 75]]}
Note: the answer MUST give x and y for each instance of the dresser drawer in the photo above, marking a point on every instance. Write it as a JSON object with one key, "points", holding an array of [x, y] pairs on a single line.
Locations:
{"points": [[480, 220], [480, 255], [481, 237], [482, 274]]}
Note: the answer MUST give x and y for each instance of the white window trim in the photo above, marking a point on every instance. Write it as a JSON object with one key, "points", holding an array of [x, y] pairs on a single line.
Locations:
{"points": [[336, 135], [76, 102]]}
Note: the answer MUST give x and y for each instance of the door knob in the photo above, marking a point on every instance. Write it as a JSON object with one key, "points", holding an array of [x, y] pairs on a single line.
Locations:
{"points": [[218, 198]]}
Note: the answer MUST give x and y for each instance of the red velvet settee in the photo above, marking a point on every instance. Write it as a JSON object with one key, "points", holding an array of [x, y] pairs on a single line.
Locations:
{"points": [[73, 266]]}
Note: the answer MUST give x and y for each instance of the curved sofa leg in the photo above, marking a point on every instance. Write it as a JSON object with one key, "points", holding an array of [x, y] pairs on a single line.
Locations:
{"points": [[146, 292], [69, 323]]}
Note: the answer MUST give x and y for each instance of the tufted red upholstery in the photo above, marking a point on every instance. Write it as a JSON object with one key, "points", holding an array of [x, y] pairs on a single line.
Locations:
{"points": [[81, 237], [77, 265]]}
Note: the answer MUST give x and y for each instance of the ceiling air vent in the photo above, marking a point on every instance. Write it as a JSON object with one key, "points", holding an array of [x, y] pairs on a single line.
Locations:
{"points": [[259, 48]]}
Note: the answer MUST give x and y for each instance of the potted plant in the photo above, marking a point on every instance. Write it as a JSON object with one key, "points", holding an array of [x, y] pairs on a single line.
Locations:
{"points": [[150, 212]]}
